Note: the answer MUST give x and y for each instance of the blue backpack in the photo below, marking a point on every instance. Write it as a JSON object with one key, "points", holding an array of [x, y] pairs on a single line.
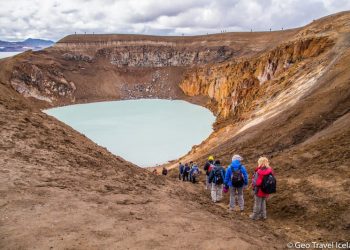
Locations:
{"points": [[218, 180]]}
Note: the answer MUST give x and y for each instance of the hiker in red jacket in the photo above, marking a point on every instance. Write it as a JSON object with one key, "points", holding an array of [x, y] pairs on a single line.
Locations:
{"points": [[263, 183]]}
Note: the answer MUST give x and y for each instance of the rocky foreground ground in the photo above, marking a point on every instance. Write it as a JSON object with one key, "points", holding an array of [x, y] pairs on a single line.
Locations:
{"points": [[281, 94]]}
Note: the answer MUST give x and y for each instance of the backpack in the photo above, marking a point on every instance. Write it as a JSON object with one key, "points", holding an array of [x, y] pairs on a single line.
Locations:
{"points": [[268, 185], [210, 168], [218, 180], [195, 172], [237, 178]]}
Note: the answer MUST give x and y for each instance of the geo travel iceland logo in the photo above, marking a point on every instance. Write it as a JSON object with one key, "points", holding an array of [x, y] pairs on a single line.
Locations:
{"points": [[318, 245]]}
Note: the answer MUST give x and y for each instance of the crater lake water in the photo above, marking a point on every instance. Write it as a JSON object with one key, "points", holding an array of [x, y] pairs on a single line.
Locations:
{"points": [[146, 132]]}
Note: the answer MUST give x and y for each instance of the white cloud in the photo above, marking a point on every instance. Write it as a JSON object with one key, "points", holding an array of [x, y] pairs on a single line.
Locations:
{"points": [[53, 19]]}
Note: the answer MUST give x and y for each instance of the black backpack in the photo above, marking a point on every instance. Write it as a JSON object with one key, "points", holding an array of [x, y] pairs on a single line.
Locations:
{"points": [[237, 178], [268, 185], [218, 177]]}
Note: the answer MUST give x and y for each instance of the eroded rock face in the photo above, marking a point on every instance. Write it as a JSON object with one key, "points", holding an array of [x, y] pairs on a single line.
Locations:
{"points": [[77, 57], [44, 83], [146, 56], [233, 86], [229, 69], [162, 56]]}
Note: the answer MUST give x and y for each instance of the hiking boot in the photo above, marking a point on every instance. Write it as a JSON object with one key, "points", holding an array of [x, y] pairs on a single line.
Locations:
{"points": [[252, 217], [231, 209]]}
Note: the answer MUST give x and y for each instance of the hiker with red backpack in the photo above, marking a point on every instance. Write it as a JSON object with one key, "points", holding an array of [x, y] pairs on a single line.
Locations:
{"points": [[236, 179], [216, 179], [264, 184], [209, 165]]}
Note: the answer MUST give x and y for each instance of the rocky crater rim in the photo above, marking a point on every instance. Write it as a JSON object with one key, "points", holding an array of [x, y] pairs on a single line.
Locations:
{"points": [[233, 74], [96, 38]]}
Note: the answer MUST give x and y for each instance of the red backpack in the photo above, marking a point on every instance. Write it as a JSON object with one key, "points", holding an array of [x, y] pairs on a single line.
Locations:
{"points": [[211, 167]]}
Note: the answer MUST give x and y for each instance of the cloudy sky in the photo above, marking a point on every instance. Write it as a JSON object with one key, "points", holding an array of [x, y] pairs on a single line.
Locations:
{"points": [[54, 19]]}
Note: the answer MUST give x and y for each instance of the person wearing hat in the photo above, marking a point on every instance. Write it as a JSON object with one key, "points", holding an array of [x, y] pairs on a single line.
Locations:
{"points": [[236, 179], [209, 165]]}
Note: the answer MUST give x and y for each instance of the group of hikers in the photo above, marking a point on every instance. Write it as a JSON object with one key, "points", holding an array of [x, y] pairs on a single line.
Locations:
{"points": [[234, 179], [189, 172], [164, 171]]}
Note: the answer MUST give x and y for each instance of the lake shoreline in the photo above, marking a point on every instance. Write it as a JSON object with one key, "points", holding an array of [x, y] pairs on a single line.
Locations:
{"points": [[178, 127]]}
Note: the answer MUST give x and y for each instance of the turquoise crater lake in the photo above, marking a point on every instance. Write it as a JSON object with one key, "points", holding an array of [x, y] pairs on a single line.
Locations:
{"points": [[146, 132]]}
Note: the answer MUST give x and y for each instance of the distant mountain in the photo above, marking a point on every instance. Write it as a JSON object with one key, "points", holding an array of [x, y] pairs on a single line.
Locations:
{"points": [[30, 43]]}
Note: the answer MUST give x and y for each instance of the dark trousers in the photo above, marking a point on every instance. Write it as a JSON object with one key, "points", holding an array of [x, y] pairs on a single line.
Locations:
{"points": [[193, 179], [185, 176]]}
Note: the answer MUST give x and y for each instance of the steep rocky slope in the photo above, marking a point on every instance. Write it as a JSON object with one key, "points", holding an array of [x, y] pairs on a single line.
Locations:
{"points": [[281, 94], [297, 115], [233, 85]]}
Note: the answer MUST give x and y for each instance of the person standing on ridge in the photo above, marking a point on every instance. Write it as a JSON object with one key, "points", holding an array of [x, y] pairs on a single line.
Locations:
{"points": [[216, 179], [209, 165], [194, 173], [191, 166], [181, 170], [164, 171], [236, 179], [264, 183], [186, 172]]}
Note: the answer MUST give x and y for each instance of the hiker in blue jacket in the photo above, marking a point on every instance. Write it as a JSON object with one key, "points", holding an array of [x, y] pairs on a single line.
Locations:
{"points": [[181, 170], [194, 172], [186, 172], [236, 179]]}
